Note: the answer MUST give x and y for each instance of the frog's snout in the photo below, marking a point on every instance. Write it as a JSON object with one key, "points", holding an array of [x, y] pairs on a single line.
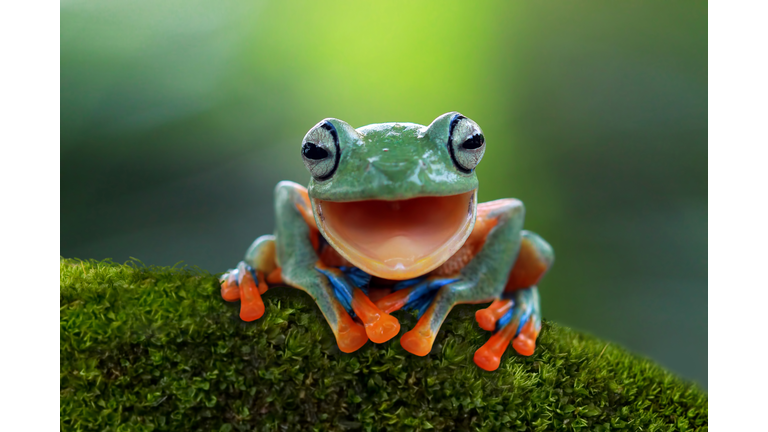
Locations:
{"points": [[395, 171]]}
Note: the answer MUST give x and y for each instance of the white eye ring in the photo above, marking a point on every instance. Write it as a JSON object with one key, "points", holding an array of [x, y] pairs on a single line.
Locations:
{"points": [[320, 150], [466, 143]]}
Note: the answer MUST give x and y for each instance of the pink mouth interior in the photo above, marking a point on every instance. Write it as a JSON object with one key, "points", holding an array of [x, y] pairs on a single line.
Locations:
{"points": [[398, 236]]}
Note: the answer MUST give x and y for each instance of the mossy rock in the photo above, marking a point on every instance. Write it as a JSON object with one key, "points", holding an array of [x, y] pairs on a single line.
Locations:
{"points": [[156, 348]]}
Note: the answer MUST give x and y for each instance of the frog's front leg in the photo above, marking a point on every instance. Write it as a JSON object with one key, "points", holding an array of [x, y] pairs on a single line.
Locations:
{"points": [[296, 254], [336, 295], [481, 280], [290, 258]]}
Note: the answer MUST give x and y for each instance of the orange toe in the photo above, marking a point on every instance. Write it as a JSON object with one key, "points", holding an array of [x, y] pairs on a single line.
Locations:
{"points": [[251, 305], [416, 342], [525, 342], [351, 336], [486, 359], [384, 329], [379, 325], [262, 283], [486, 319], [230, 292], [523, 345], [251, 311], [393, 301]]}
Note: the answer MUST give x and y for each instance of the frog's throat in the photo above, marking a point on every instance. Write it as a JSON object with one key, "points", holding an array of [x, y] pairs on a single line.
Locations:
{"points": [[398, 239]]}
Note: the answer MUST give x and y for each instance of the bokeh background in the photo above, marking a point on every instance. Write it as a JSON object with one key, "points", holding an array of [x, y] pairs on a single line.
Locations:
{"points": [[179, 117]]}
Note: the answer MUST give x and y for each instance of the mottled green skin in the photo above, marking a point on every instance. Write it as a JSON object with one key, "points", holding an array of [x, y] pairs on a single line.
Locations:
{"points": [[417, 163]]}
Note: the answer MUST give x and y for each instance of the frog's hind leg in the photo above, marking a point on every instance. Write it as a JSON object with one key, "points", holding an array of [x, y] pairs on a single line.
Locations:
{"points": [[533, 261], [520, 324], [249, 280], [516, 317], [290, 258]]}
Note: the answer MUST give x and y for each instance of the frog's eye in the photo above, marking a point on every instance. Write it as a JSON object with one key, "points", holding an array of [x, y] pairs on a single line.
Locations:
{"points": [[466, 143], [320, 150]]}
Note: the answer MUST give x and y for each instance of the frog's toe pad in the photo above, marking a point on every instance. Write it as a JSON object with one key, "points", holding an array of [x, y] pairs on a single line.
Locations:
{"points": [[384, 329], [487, 359], [379, 325], [525, 342], [230, 292], [417, 342], [351, 336], [251, 305], [486, 319], [524, 346]]}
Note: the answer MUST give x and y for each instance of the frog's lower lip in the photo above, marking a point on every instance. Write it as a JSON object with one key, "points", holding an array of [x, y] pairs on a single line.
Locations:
{"points": [[398, 239]]}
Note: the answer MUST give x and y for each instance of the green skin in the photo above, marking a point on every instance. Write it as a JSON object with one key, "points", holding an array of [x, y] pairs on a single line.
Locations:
{"points": [[417, 163]]}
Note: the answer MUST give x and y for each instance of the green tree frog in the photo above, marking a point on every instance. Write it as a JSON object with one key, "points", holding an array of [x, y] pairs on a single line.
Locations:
{"points": [[390, 221]]}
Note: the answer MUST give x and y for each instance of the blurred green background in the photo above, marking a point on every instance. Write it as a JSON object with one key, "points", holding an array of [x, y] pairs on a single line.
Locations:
{"points": [[178, 119]]}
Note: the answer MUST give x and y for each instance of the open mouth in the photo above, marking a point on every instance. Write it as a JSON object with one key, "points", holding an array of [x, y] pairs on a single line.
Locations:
{"points": [[399, 239]]}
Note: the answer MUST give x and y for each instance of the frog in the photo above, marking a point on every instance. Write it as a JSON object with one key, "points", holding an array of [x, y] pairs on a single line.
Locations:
{"points": [[390, 221]]}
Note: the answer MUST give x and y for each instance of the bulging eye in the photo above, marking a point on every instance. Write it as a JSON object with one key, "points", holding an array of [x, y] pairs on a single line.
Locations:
{"points": [[320, 150], [473, 142], [313, 151], [466, 143]]}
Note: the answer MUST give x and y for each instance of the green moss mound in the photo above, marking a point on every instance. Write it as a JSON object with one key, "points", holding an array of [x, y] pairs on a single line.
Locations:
{"points": [[156, 348]]}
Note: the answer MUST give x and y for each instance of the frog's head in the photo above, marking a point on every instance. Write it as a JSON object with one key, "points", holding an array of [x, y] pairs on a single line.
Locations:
{"points": [[395, 199]]}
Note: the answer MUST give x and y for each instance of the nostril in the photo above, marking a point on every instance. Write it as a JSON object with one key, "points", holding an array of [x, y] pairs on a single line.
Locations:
{"points": [[395, 170]]}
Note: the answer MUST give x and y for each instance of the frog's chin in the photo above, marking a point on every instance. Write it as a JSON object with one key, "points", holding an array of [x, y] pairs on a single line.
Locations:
{"points": [[398, 239]]}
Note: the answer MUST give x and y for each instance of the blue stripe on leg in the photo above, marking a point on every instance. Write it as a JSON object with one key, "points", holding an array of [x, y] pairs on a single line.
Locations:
{"points": [[359, 278], [408, 283], [522, 308], [423, 292], [342, 287]]}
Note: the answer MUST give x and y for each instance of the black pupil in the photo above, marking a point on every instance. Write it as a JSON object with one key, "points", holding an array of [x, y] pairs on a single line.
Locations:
{"points": [[311, 151], [475, 141]]}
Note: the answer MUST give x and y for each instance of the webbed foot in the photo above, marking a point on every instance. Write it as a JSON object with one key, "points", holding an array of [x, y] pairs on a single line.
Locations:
{"points": [[422, 295], [517, 319], [347, 283], [245, 284]]}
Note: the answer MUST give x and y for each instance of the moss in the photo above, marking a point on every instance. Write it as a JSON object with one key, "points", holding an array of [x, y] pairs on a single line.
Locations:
{"points": [[155, 348]]}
